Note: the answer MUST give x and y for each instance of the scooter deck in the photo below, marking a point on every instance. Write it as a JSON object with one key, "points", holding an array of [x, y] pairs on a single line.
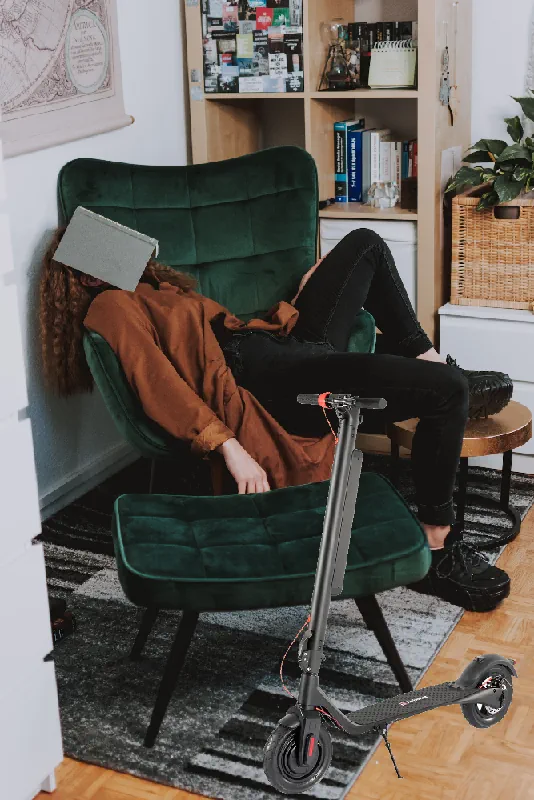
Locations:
{"points": [[406, 705]]}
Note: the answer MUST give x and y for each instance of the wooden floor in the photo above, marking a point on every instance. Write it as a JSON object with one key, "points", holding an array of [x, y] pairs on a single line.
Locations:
{"points": [[439, 755]]}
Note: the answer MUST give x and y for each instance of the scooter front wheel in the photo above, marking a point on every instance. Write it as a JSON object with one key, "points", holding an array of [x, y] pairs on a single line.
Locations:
{"points": [[481, 716], [280, 759]]}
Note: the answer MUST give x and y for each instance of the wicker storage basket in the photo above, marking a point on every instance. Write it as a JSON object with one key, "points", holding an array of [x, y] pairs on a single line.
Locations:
{"points": [[492, 259]]}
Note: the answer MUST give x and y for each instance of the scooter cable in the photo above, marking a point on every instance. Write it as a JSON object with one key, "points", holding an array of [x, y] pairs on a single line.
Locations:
{"points": [[322, 403], [322, 711]]}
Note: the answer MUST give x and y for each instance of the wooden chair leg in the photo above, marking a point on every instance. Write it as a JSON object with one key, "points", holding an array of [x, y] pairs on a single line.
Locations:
{"points": [[173, 668], [374, 619], [147, 623]]}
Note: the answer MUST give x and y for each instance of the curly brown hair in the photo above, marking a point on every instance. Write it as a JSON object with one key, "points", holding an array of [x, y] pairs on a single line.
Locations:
{"points": [[63, 305]]}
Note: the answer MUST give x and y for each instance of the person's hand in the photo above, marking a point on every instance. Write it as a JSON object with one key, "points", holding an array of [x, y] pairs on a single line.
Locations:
{"points": [[305, 278], [247, 473]]}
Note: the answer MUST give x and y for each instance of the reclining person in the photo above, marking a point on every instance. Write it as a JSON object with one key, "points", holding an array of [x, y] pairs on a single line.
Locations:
{"points": [[223, 385]]}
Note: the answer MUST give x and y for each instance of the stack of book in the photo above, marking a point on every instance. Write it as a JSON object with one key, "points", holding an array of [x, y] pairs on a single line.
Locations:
{"points": [[252, 45], [364, 156]]}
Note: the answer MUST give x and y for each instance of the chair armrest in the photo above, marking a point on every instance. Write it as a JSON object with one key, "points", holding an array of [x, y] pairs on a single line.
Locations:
{"points": [[125, 408]]}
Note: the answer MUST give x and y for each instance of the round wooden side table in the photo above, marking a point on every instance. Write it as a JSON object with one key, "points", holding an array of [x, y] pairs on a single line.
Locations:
{"points": [[500, 433]]}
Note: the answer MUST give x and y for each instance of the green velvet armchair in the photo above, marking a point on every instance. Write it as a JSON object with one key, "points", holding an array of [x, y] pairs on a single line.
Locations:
{"points": [[246, 228]]}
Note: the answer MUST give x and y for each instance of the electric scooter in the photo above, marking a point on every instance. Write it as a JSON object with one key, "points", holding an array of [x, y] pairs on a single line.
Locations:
{"points": [[299, 751]]}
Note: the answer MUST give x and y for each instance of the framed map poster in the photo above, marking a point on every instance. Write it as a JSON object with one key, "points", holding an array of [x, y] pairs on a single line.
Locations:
{"points": [[60, 76]]}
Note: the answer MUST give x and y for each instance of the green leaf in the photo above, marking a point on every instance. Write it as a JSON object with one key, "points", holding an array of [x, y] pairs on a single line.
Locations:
{"points": [[466, 176], [515, 129], [527, 105], [492, 146], [522, 173], [478, 157], [515, 152], [507, 189], [488, 200]]}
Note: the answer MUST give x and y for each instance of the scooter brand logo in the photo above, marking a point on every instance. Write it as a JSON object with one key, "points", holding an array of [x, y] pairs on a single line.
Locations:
{"points": [[407, 702]]}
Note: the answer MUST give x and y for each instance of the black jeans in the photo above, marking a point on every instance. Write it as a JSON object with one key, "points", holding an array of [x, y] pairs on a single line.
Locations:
{"points": [[360, 273]]}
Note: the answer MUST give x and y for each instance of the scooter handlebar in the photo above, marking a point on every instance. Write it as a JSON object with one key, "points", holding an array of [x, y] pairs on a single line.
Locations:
{"points": [[331, 400]]}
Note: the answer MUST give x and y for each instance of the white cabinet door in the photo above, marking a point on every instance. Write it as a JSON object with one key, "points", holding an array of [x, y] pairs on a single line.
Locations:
{"points": [[18, 489], [12, 372], [30, 734], [24, 616]]}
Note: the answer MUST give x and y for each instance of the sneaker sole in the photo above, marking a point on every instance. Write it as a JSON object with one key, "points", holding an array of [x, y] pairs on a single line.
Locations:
{"points": [[471, 601], [491, 402]]}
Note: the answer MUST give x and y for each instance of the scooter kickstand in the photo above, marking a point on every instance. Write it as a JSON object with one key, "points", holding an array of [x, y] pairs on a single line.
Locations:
{"points": [[384, 734]]}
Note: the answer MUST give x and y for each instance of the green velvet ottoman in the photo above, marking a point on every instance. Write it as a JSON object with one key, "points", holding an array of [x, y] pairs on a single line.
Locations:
{"points": [[239, 552]]}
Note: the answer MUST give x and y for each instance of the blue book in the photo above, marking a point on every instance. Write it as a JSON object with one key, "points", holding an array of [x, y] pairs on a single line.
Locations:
{"points": [[341, 130], [355, 165], [405, 159]]}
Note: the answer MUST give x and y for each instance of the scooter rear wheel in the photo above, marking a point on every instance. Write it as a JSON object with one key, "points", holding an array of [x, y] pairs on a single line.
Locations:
{"points": [[280, 760], [481, 716]]}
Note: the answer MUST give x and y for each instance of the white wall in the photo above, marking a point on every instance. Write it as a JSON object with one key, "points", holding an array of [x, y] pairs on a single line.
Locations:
{"points": [[75, 439], [501, 43]]}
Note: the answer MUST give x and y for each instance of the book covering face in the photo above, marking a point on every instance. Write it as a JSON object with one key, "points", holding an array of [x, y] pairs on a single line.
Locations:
{"points": [[104, 249]]}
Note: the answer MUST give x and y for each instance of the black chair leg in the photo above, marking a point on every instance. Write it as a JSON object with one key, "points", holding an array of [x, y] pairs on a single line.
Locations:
{"points": [[173, 668], [147, 623], [374, 619]]}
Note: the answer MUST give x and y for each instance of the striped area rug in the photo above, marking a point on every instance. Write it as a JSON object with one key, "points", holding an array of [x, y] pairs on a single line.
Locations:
{"points": [[229, 696]]}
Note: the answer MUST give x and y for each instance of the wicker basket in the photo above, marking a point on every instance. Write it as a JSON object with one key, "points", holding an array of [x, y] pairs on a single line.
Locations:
{"points": [[492, 259]]}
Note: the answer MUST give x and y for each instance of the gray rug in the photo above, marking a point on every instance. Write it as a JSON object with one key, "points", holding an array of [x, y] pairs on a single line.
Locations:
{"points": [[229, 696]]}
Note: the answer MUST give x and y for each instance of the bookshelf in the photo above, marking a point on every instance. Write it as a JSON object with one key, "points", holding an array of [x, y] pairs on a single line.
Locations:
{"points": [[230, 125]]}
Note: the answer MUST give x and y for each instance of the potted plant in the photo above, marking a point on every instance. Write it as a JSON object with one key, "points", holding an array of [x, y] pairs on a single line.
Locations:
{"points": [[510, 173]]}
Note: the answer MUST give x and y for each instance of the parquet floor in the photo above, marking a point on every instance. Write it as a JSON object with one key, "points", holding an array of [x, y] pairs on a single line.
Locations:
{"points": [[440, 756]]}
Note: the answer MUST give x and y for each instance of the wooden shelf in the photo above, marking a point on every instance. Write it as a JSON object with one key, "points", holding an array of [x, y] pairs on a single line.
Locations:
{"points": [[362, 211], [367, 94], [228, 125], [254, 95], [363, 94]]}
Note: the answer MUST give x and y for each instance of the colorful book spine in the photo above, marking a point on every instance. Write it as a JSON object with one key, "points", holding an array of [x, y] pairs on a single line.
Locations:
{"points": [[405, 159], [355, 165], [341, 130], [385, 162], [376, 138], [396, 164], [366, 164]]}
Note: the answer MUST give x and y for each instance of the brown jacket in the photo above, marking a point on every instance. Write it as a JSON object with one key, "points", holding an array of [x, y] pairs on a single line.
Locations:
{"points": [[173, 360]]}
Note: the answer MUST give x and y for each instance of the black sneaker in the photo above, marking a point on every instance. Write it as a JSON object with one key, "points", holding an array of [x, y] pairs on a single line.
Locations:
{"points": [[489, 392], [461, 575]]}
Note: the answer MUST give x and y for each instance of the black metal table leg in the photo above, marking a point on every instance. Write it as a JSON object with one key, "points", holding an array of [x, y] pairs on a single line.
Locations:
{"points": [[462, 491], [485, 500]]}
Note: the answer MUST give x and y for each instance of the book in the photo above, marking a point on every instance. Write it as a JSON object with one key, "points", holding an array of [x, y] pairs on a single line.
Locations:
{"points": [[376, 138], [414, 170], [396, 164], [385, 161], [410, 159], [389, 31], [340, 156], [366, 163], [406, 30], [100, 247], [355, 165], [405, 159]]}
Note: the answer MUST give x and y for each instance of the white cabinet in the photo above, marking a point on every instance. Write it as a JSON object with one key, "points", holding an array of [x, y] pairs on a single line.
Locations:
{"points": [[498, 339], [30, 735]]}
